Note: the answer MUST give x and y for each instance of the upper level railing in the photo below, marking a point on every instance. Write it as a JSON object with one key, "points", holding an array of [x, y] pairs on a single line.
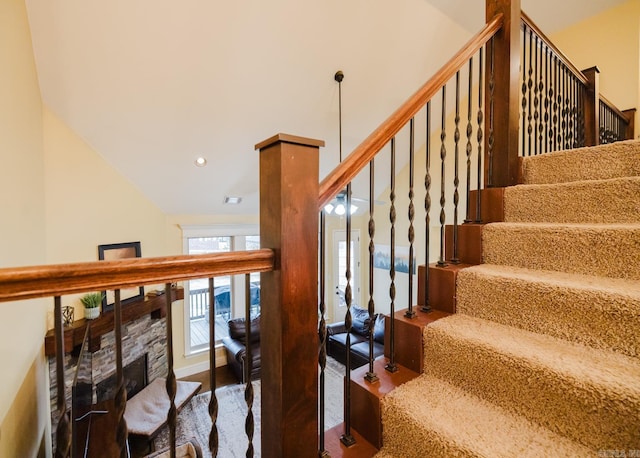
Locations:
{"points": [[562, 107], [58, 280]]}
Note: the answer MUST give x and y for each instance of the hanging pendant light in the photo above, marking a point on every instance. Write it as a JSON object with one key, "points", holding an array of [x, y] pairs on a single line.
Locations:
{"points": [[338, 205]]}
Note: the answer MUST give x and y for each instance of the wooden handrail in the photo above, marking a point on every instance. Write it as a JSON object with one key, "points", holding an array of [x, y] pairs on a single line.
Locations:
{"points": [[613, 108], [55, 280], [532, 25], [360, 157]]}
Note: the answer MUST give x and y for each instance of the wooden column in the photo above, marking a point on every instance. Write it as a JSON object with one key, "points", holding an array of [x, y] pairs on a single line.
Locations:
{"points": [[592, 107], [505, 61], [289, 192]]}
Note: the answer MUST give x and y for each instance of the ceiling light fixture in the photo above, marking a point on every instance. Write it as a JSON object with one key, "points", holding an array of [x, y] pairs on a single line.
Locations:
{"points": [[232, 200], [201, 161]]}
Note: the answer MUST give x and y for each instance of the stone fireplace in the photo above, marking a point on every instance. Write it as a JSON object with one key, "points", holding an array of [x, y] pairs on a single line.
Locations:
{"points": [[144, 343]]}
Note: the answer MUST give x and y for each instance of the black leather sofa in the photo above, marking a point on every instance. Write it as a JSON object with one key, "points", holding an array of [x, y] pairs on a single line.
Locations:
{"points": [[234, 345], [360, 330]]}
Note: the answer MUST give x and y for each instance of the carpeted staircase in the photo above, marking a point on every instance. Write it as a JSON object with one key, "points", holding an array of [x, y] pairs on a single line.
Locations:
{"points": [[542, 358]]}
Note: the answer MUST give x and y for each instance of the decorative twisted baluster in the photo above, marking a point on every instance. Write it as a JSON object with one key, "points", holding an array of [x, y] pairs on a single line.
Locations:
{"points": [[391, 366], [213, 401], [492, 86], [120, 401], [248, 367], [541, 92], [479, 136], [536, 97], [347, 438], [469, 148], [546, 99], [63, 430], [322, 332], [371, 375], [443, 156], [427, 208], [524, 90], [456, 177], [565, 110], [551, 121], [171, 376], [410, 313], [529, 91], [557, 105]]}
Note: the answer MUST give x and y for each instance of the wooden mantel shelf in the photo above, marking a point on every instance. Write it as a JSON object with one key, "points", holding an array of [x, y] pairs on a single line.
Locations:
{"points": [[156, 306]]}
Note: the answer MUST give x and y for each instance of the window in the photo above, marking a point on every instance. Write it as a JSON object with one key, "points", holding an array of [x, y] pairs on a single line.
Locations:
{"points": [[229, 291]]}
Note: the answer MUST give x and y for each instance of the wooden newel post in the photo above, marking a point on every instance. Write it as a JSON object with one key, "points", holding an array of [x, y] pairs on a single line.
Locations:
{"points": [[289, 186], [503, 69], [592, 107]]}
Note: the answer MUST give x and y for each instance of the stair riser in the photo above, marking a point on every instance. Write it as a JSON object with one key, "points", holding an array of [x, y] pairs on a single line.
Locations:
{"points": [[588, 316], [573, 408], [584, 202], [607, 252]]}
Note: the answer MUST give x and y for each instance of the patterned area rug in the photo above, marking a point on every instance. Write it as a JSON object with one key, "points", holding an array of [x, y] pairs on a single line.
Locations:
{"points": [[194, 421]]}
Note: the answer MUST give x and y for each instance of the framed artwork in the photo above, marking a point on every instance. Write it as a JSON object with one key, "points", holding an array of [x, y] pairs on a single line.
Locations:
{"points": [[113, 252]]}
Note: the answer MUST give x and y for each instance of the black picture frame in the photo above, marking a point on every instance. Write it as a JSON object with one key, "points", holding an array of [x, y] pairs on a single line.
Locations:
{"points": [[112, 252]]}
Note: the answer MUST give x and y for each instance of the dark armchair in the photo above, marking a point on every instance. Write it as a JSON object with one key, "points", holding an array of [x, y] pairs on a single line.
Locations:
{"points": [[234, 345]]}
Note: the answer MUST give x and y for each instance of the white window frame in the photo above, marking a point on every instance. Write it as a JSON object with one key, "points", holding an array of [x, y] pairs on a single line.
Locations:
{"points": [[237, 284]]}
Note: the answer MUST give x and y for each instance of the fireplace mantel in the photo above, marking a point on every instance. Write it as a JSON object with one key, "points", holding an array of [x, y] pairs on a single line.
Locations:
{"points": [[156, 306]]}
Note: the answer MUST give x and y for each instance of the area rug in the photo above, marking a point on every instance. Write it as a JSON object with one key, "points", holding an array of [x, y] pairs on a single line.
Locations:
{"points": [[194, 421]]}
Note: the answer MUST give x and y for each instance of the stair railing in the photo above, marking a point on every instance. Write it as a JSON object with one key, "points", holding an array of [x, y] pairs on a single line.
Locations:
{"points": [[423, 125], [59, 280], [562, 107]]}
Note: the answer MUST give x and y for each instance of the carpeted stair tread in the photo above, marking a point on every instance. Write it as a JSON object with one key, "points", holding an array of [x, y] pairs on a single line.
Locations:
{"points": [[599, 312], [602, 162], [596, 201], [608, 250], [588, 395], [440, 420]]}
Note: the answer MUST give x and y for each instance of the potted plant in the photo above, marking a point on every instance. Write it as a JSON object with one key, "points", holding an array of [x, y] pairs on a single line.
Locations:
{"points": [[91, 302]]}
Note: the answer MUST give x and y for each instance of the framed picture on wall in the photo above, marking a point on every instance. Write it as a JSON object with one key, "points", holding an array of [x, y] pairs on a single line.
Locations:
{"points": [[113, 252]]}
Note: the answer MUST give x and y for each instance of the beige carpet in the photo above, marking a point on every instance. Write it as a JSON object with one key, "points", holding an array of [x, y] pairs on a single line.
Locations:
{"points": [[543, 356]]}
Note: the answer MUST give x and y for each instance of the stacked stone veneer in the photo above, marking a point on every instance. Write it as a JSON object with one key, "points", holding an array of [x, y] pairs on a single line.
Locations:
{"points": [[144, 335]]}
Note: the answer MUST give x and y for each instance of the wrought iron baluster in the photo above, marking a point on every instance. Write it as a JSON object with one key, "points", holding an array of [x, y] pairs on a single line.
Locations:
{"points": [[63, 429], [492, 85], [479, 136], [427, 205], [171, 376], [347, 438], [322, 331], [536, 99], [371, 375], [456, 178], [391, 366], [557, 118], [213, 401], [541, 95], [248, 367], [469, 148], [549, 104], [524, 90], [120, 401], [410, 313], [564, 124], [529, 92], [443, 156]]}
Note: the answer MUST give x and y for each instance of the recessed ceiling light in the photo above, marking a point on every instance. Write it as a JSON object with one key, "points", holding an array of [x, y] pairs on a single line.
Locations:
{"points": [[201, 161], [232, 200]]}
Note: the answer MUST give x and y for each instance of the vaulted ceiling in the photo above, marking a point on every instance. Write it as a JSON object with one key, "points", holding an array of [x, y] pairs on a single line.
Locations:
{"points": [[153, 84]]}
